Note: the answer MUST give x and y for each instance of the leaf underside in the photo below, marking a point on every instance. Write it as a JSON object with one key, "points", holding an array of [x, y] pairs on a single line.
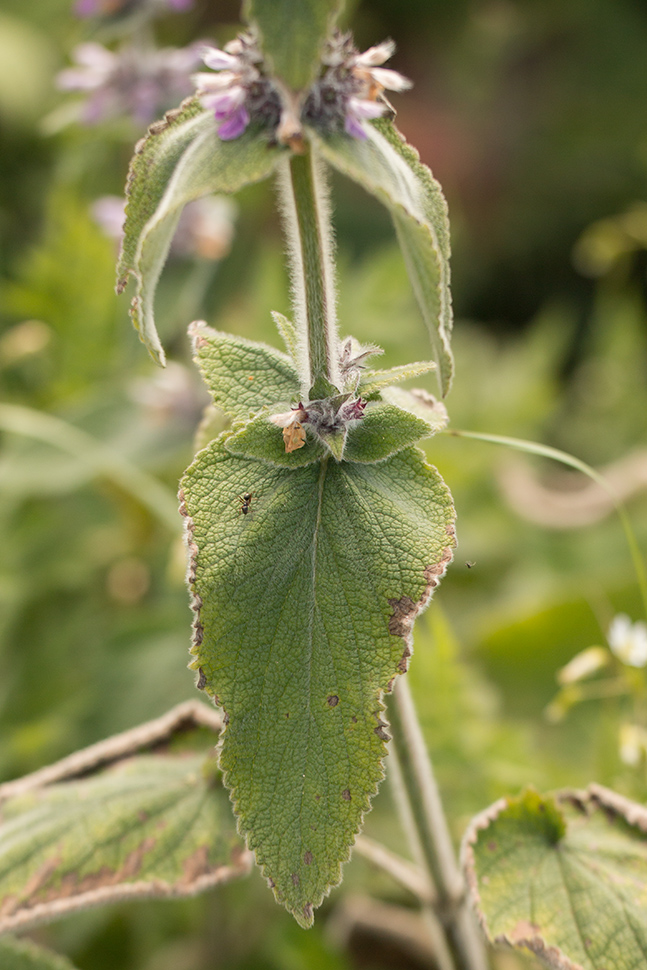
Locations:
{"points": [[156, 825], [390, 170], [180, 160], [563, 877], [303, 613]]}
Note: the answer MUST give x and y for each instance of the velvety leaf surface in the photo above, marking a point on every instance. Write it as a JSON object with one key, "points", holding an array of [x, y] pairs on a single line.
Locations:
{"points": [[24, 955], [264, 441], [420, 403], [383, 431], [563, 877], [153, 826], [185, 162], [390, 170], [303, 613], [375, 380], [292, 35], [243, 376]]}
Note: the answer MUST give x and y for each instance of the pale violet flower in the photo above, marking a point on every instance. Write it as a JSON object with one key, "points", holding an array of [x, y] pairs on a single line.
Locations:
{"points": [[239, 92], [129, 81], [351, 88], [205, 228], [628, 640], [115, 8]]}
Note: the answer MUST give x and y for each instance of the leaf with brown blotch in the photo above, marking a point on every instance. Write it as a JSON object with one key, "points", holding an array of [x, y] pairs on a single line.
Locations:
{"points": [[156, 824]]}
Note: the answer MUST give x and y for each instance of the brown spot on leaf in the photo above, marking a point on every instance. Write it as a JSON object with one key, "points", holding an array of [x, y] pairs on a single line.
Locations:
{"points": [[317, 798], [197, 864], [381, 733], [295, 879], [287, 715], [202, 679], [399, 622], [492, 846], [307, 911], [346, 794], [333, 700], [271, 883], [353, 720], [308, 858], [524, 930]]}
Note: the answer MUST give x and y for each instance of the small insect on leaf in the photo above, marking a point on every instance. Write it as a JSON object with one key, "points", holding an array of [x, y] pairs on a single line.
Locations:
{"points": [[245, 501], [470, 564], [294, 436]]}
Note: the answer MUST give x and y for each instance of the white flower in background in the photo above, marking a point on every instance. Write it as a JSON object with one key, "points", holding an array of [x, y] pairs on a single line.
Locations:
{"points": [[628, 640], [632, 744]]}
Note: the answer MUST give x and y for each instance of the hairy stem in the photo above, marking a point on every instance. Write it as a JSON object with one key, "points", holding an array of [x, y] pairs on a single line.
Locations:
{"points": [[432, 833], [304, 199]]}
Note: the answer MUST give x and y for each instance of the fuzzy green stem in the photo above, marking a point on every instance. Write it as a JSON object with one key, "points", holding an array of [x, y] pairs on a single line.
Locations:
{"points": [[432, 833], [307, 220]]}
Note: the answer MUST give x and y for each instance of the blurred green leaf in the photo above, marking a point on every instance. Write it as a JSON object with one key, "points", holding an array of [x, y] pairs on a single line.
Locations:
{"points": [[293, 33], [303, 614], [24, 955], [563, 877], [155, 825]]}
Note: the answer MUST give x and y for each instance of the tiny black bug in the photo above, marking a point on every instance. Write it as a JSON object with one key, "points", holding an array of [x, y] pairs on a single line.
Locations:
{"points": [[245, 502]]}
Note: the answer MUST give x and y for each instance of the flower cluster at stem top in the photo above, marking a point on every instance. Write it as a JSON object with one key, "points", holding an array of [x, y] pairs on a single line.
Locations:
{"points": [[349, 90]]}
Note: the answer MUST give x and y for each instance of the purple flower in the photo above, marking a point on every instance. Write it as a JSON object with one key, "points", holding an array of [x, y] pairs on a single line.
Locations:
{"points": [[129, 81], [351, 88], [113, 8], [239, 93]]}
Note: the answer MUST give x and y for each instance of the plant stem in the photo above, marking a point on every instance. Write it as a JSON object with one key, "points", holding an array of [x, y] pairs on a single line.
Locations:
{"points": [[432, 833], [307, 223]]}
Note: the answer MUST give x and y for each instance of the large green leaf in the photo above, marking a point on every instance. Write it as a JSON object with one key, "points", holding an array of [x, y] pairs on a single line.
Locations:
{"points": [[390, 170], [293, 33], [564, 877], [243, 376], [24, 955], [304, 607], [176, 164], [155, 825]]}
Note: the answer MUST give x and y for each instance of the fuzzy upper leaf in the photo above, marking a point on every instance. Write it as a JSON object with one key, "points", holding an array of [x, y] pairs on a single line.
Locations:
{"points": [[175, 164], [304, 607], [390, 170], [243, 376], [564, 877]]}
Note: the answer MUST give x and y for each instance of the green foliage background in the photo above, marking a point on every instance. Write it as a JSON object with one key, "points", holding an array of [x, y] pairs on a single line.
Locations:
{"points": [[532, 117]]}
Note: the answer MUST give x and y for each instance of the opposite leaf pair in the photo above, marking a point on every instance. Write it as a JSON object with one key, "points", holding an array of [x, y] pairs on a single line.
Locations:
{"points": [[304, 606]]}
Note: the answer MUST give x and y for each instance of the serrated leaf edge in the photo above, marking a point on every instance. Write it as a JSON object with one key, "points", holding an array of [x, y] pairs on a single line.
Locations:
{"points": [[401, 621], [599, 797]]}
